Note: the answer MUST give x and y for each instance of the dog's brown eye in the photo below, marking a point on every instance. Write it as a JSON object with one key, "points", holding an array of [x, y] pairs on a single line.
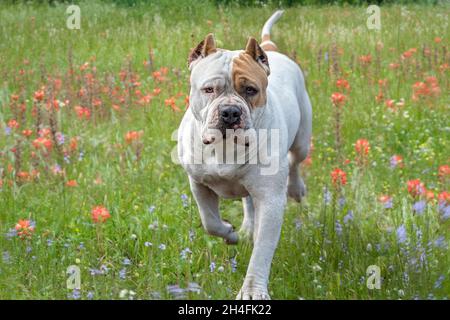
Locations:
{"points": [[250, 91], [208, 90]]}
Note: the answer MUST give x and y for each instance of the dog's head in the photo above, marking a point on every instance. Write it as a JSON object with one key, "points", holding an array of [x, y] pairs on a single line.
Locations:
{"points": [[227, 86]]}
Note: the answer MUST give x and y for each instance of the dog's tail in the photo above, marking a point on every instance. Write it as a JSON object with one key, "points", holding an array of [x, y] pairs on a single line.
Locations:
{"points": [[266, 44]]}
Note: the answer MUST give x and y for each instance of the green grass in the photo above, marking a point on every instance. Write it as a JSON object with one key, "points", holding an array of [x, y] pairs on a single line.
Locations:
{"points": [[314, 260]]}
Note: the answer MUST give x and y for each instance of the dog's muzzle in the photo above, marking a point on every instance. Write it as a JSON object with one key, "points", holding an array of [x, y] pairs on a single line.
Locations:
{"points": [[230, 113]]}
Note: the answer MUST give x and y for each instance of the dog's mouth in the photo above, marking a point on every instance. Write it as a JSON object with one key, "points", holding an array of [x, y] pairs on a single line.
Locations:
{"points": [[219, 134]]}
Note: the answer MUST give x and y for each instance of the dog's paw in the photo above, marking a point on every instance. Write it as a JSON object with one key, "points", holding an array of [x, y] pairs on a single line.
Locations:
{"points": [[296, 189], [253, 294], [232, 237]]}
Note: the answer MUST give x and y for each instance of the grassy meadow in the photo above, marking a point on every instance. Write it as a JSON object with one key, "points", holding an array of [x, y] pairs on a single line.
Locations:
{"points": [[86, 134]]}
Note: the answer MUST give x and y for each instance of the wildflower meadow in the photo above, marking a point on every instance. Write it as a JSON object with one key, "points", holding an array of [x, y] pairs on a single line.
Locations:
{"points": [[93, 207]]}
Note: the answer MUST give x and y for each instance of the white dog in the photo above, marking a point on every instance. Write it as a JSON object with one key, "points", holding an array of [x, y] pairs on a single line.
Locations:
{"points": [[234, 93]]}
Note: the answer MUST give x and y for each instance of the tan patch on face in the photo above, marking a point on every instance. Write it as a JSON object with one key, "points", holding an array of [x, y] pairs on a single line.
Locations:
{"points": [[247, 73]]}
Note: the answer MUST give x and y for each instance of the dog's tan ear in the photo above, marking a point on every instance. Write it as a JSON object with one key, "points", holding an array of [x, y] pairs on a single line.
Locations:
{"points": [[203, 49], [256, 52]]}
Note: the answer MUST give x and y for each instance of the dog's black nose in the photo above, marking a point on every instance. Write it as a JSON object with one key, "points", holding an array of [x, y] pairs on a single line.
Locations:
{"points": [[230, 114]]}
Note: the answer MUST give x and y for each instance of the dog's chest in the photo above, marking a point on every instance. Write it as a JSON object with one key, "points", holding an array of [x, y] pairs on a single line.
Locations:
{"points": [[224, 180]]}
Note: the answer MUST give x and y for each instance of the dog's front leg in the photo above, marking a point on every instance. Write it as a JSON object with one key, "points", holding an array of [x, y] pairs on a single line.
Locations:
{"points": [[208, 205], [269, 207]]}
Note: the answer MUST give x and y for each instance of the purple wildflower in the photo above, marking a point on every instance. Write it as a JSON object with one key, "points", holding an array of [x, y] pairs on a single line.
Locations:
{"points": [[6, 257], [341, 202], [338, 227], [212, 266], [401, 234], [233, 264], [123, 274], [60, 138], [439, 281], [194, 287], [76, 294], [326, 196], [348, 217], [185, 252], [176, 292], [184, 199], [11, 234], [191, 235], [419, 207], [440, 242]]}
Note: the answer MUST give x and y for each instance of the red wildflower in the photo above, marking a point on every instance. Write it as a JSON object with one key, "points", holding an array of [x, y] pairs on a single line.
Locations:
{"points": [[362, 147], [100, 214], [42, 142], [384, 198], [71, 183], [83, 112], [444, 171], [131, 136], [408, 54], [343, 84], [338, 177], [444, 197], [365, 59], [13, 124], [39, 95], [416, 188], [338, 99], [27, 132], [24, 228]]}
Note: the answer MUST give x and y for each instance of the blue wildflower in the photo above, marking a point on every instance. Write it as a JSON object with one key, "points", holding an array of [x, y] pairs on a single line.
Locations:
{"points": [[148, 244], [176, 292], [11, 234], [338, 227], [233, 264], [341, 202], [348, 217], [184, 199], [76, 294], [194, 287], [151, 209], [419, 206], [326, 196], [438, 283], [191, 235], [126, 262], [123, 273], [6, 257], [445, 212], [440, 242], [212, 266], [401, 234], [184, 253], [90, 295]]}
